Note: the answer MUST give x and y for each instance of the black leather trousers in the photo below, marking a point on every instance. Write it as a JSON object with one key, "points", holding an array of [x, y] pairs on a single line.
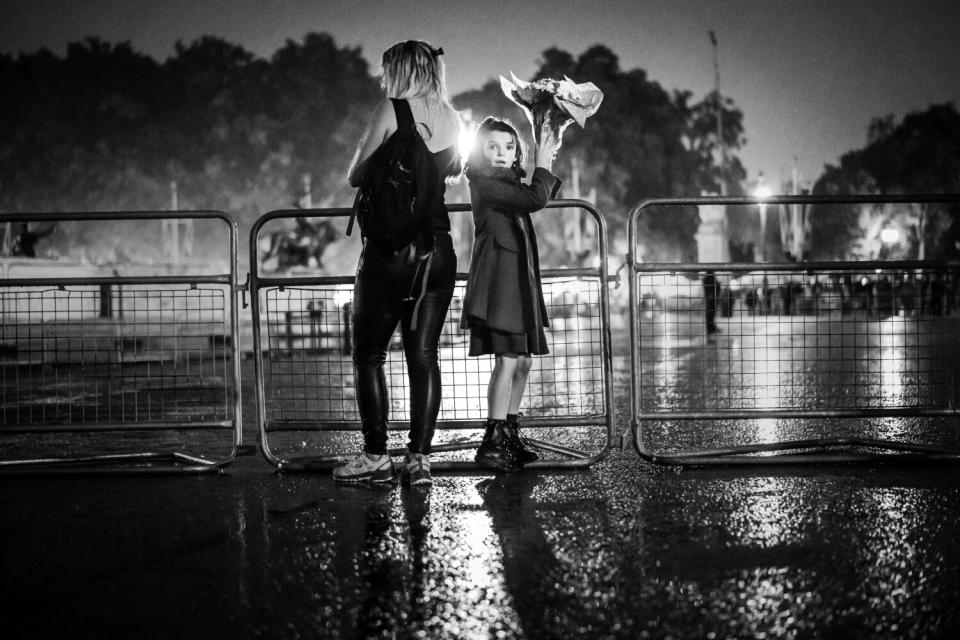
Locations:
{"points": [[381, 292]]}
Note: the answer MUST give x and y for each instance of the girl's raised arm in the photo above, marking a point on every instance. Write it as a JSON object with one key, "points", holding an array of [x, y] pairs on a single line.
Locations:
{"points": [[382, 124], [543, 184], [521, 198]]}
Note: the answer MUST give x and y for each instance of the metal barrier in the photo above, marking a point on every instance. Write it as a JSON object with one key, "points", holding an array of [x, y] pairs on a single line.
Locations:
{"points": [[304, 370], [151, 359], [854, 348]]}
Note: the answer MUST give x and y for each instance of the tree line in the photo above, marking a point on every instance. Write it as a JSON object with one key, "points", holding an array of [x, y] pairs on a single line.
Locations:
{"points": [[918, 155], [105, 127]]}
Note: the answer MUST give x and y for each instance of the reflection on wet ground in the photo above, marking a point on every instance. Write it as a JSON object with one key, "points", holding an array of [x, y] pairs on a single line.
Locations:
{"points": [[797, 362], [624, 549], [818, 364]]}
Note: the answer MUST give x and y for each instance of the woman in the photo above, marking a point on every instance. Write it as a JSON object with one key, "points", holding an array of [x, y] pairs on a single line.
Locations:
{"points": [[413, 71]]}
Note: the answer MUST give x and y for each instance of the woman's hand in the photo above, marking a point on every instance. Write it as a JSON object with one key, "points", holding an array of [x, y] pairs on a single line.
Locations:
{"points": [[547, 149]]}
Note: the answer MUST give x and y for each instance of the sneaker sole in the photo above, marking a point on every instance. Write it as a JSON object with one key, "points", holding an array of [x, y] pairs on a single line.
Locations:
{"points": [[374, 477], [410, 479]]}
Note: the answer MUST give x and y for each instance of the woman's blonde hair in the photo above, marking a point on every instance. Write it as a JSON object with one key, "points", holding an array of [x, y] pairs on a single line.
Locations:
{"points": [[412, 69]]}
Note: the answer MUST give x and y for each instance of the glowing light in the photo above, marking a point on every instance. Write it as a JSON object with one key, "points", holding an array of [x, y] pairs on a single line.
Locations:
{"points": [[342, 297], [465, 142], [762, 192], [889, 236]]}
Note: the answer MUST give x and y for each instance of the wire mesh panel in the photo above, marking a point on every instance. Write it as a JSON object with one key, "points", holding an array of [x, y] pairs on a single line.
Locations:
{"points": [[307, 367], [310, 371], [164, 362], [733, 363], [98, 368], [862, 340]]}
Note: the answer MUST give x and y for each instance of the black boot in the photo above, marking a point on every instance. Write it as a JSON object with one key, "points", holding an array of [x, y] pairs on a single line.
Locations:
{"points": [[496, 451], [518, 442]]}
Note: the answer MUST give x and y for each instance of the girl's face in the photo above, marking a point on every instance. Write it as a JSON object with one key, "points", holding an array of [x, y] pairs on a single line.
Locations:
{"points": [[500, 149]]}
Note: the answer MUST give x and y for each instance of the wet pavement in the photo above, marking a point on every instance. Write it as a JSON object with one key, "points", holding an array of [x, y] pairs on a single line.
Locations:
{"points": [[625, 549]]}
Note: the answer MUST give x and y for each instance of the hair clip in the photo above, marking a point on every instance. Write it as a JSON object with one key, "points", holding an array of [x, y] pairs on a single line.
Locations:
{"points": [[438, 52]]}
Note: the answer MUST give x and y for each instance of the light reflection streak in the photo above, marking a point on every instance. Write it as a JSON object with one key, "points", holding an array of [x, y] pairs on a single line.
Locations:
{"points": [[768, 380], [891, 377], [764, 519], [667, 344], [896, 566], [484, 573], [478, 537], [892, 361]]}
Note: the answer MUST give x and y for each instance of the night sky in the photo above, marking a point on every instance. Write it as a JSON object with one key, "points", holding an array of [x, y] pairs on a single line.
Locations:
{"points": [[809, 75]]}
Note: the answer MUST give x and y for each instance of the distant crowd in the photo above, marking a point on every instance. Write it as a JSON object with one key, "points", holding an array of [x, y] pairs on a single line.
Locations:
{"points": [[906, 293]]}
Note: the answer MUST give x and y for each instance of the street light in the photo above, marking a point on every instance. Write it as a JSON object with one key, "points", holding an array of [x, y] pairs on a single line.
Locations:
{"points": [[761, 193], [719, 107], [890, 236]]}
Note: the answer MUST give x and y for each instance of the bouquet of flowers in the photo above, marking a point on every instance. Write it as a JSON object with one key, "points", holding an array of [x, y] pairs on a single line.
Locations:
{"points": [[558, 102]]}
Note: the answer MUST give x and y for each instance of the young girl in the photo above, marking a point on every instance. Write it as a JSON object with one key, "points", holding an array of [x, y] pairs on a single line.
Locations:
{"points": [[503, 306]]}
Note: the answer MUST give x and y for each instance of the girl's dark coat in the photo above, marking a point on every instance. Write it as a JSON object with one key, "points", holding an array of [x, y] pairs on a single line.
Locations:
{"points": [[505, 245]]}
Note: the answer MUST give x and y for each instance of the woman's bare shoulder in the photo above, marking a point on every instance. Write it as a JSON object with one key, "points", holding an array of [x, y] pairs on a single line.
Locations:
{"points": [[384, 116]]}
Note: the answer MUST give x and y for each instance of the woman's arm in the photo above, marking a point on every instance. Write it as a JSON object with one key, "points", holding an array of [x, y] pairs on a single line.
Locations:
{"points": [[382, 124], [543, 184]]}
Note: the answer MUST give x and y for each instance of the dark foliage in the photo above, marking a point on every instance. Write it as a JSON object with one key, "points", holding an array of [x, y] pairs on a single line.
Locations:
{"points": [[107, 128], [920, 155]]}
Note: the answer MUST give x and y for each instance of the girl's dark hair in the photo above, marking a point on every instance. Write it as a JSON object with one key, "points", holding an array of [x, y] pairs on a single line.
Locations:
{"points": [[490, 124]]}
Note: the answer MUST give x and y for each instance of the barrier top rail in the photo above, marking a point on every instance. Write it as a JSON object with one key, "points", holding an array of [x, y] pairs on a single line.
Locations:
{"points": [[922, 198], [339, 212], [95, 216]]}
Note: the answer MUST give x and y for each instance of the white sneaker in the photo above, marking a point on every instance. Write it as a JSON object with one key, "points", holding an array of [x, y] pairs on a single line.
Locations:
{"points": [[364, 467], [417, 469]]}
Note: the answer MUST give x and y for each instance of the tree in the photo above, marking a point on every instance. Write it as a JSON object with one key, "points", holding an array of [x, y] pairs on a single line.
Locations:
{"points": [[919, 155], [107, 128]]}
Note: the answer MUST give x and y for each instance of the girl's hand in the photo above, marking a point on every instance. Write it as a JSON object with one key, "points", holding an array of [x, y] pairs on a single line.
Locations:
{"points": [[547, 149]]}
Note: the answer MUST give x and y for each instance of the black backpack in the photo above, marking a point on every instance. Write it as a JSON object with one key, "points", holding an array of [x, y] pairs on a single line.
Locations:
{"points": [[400, 189]]}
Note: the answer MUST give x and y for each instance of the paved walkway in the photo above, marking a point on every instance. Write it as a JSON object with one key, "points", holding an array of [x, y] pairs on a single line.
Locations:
{"points": [[624, 550]]}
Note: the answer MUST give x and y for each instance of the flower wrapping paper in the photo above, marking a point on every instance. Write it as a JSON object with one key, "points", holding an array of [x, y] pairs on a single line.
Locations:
{"points": [[559, 102]]}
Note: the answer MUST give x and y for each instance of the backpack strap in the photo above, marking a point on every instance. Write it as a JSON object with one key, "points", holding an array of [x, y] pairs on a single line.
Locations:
{"points": [[423, 271], [401, 108]]}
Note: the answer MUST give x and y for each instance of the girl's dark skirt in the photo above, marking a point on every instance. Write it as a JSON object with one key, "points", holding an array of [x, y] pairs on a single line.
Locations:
{"points": [[484, 340]]}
